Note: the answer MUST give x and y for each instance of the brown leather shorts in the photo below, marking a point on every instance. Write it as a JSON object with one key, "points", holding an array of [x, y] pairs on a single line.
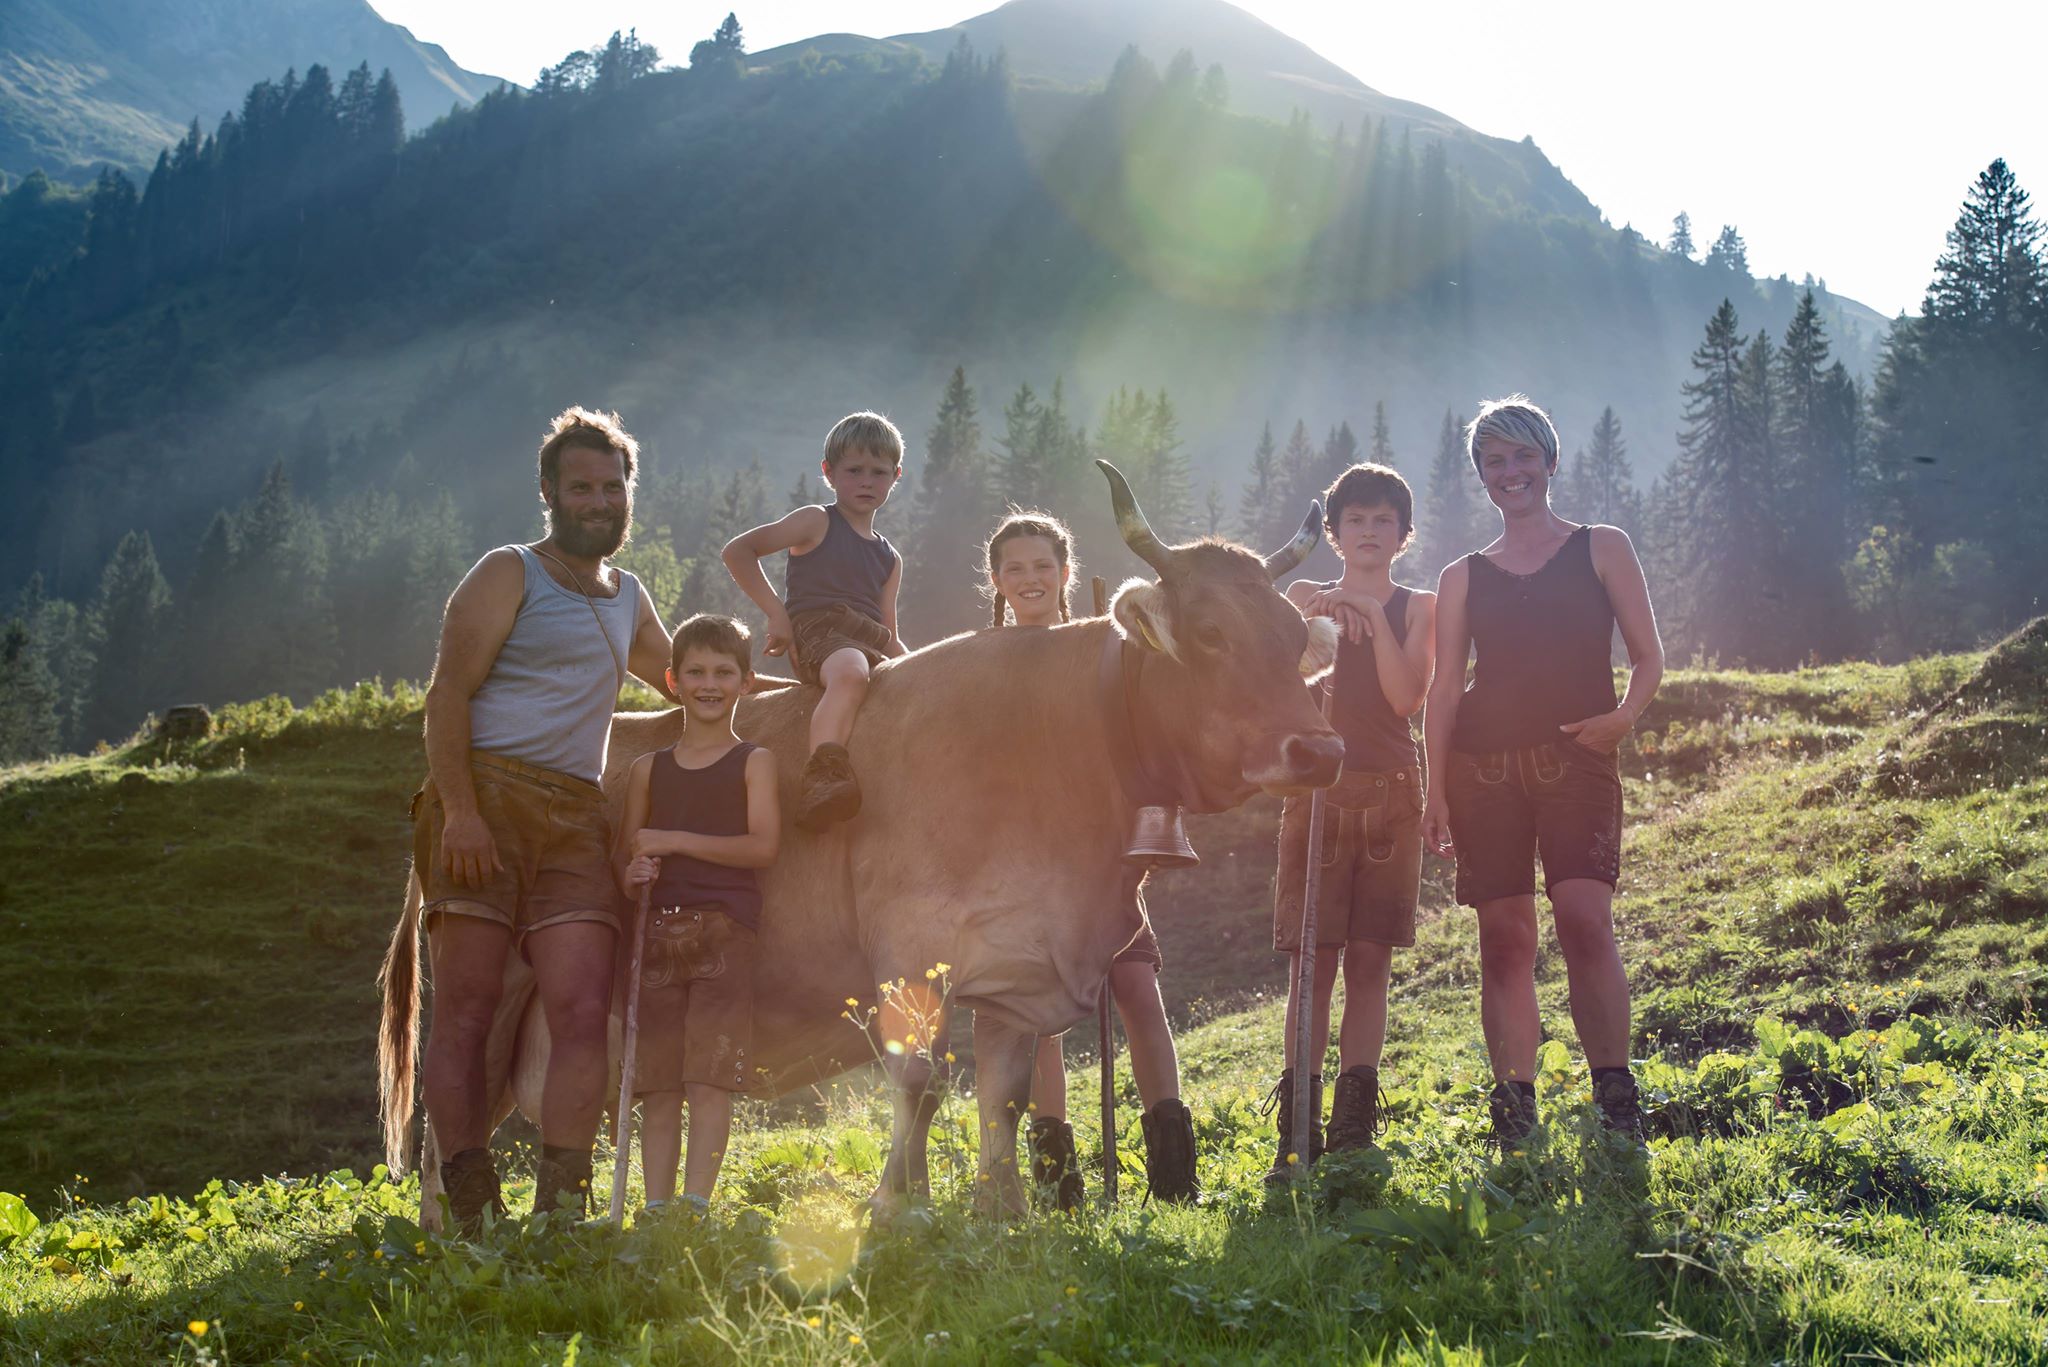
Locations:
{"points": [[553, 841], [1558, 799], [696, 1002], [1144, 946], [820, 633], [1371, 862]]}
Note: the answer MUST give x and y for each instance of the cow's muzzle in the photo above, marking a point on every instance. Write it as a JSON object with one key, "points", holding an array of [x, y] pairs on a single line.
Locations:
{"points": [[1293, 763]]}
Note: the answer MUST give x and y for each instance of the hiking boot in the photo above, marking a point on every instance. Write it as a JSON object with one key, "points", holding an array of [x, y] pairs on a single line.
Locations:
{"points": [[1170, 1152], [561, 1180], [470, 1183], [1513, 1105], [827, 792], [1614, 1092], [1159, 840], [1055, 1169], [1357, 1113], [1280, 1102]]}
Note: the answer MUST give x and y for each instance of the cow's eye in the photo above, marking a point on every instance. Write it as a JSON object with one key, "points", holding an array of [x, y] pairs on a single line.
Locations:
{"points": [[1210, 637]]}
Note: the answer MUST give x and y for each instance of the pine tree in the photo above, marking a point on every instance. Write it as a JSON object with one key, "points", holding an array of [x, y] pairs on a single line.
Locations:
{"points": [[127, 619], [282, 629], [1382, 450], [1990, 276], [1680, 242], [62, 639], [1340, 452], [1610, 482], [1300, 480], [29, 724], [953, 516], [1817, 444], [1170, 484], [1729, 253], [1022, 475], [1261, 496], [723, 54], [1727, 554], [1455, 519]]}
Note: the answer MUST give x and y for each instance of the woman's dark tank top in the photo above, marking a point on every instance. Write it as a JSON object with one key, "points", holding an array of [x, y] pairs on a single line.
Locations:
{"points": [[845, 567], [707, 801], [1543, 642], [1376, 738]]}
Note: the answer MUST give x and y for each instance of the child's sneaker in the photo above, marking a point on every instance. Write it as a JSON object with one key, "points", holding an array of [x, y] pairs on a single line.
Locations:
{"points": [[828, 792], [1159, 840]]}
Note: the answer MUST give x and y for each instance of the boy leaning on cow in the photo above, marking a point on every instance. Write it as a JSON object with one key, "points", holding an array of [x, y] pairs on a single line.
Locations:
{"points": [[513, 850]]}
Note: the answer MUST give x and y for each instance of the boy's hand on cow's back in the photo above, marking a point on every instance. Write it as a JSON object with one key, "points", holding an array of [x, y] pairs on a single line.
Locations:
{"points": [[644, 869], [1358, 615]]}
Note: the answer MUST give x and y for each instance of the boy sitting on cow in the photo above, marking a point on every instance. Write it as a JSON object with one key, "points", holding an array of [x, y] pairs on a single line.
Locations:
{"points": [[838, 618], [1371, 851], [700, 818]]}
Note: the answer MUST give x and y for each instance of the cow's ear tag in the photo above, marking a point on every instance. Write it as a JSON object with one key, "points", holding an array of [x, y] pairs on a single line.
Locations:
{"points": [[1151, 636]]}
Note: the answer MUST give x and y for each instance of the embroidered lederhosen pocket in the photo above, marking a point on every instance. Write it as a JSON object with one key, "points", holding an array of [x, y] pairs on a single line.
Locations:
{"points": [[1546, 763], [686, 944]]}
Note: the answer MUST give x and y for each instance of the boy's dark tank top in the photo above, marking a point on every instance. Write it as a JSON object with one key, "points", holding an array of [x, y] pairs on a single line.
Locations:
{"points": [[707, 801], [1376, 738], [845, 567], [1543, 643]]}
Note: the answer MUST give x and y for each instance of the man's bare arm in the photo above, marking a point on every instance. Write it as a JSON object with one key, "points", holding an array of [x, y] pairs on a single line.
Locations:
{"points": [[479, 618], [648, 660]]}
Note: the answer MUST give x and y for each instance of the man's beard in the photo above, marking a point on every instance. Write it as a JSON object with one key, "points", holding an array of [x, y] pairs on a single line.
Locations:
{"points": [[595, 540]]}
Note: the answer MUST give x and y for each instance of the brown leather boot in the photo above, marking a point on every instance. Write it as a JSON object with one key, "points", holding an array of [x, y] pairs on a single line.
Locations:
{"points": [[1621, 1109], [1159, 840], [1055, 1168], [1281, 1101], [1355, 1113], [828, 792], [1170, 1152], [470, 1182], [561, 1180], [1513, 1109]]}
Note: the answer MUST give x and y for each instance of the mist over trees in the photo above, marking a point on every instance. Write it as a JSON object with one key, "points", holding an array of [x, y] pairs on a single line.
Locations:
{"points": [[163, 552]]}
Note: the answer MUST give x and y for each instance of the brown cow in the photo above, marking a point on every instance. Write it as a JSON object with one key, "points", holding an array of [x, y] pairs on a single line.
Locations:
{"points": [[993, 848]]}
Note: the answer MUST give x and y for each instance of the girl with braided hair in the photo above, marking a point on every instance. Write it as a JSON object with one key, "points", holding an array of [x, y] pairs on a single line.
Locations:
{"points": [[1031, 572]]}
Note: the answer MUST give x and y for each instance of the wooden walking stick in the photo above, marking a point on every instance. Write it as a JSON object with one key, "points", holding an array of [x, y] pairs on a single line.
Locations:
{"points": [[1102, 1020], [626, 1064], [1304, 1116]]}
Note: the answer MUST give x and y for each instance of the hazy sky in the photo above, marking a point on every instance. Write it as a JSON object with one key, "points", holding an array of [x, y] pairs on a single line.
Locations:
{"points": [[1837, 138]]}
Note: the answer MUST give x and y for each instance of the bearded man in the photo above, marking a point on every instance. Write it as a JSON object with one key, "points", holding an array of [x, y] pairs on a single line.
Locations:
{"points": [[510, 840]]}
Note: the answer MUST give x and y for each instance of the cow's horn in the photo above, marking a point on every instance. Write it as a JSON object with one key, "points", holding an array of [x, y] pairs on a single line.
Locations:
{"points": [[1137, 532], [1283, 561]]}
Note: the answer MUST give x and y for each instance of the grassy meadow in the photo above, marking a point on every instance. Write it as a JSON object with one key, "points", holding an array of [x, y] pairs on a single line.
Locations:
{"points": [[1835, 912]]}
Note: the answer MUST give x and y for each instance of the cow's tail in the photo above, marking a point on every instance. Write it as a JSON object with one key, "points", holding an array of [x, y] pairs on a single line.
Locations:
{"points": [[398, 1036]]}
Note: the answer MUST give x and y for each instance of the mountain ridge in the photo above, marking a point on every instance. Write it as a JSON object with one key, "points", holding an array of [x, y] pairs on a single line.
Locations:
{"points": [[88, 83]]}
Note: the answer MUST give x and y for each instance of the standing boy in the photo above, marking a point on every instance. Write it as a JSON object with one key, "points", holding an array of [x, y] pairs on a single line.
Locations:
{"points": [[1372, 842], [700, 818], [839, 619]]}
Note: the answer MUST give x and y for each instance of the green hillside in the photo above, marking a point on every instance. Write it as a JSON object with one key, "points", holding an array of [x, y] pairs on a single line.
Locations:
{"points": [[1834, 918]]}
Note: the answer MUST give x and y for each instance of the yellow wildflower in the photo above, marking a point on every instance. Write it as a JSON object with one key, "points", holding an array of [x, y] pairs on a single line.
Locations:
{"points": [[197, 1328]]}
